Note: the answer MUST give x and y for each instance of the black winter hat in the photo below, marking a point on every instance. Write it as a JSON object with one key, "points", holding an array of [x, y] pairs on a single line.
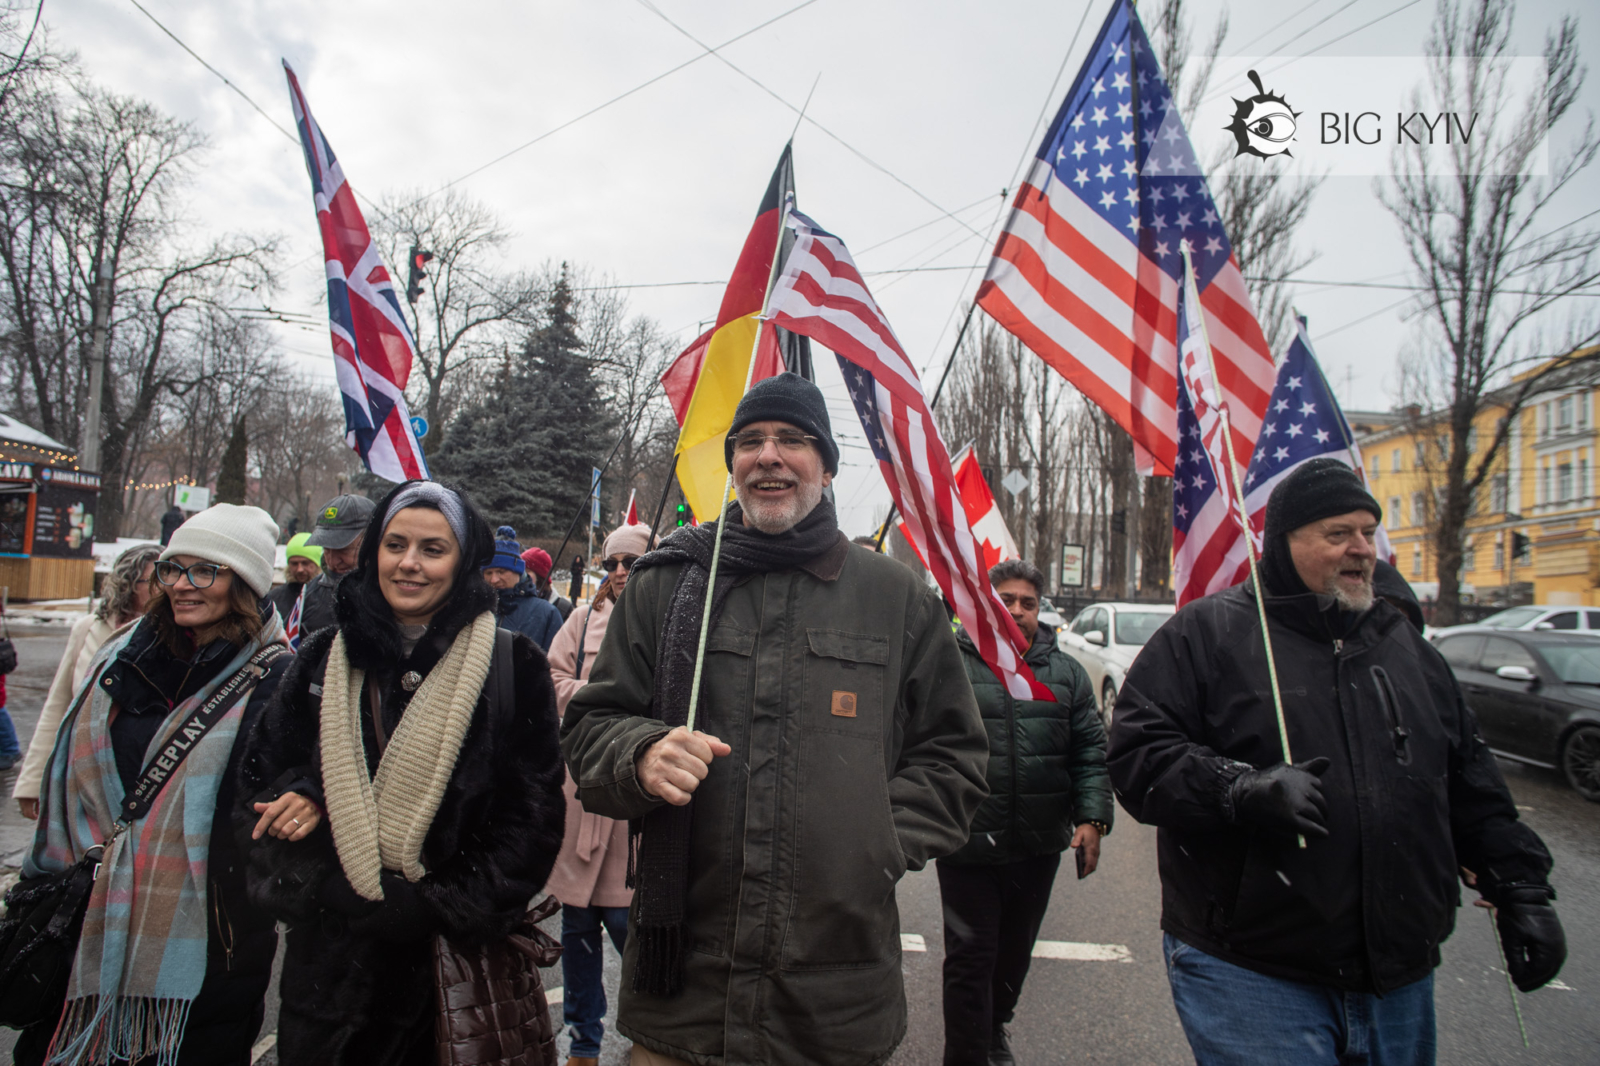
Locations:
{"points": [[786, 398], [1316, 489]]}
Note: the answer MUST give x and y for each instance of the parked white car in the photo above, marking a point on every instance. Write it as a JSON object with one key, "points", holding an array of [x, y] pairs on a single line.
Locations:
{"points": [[1531, 617], [1106, 637]]}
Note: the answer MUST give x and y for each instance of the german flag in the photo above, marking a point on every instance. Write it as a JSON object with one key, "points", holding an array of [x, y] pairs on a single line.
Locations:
{"points": [[706, 381]]}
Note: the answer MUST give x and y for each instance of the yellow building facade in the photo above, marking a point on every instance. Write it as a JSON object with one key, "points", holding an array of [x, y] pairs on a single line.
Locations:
{"points": [[1533, 534]]}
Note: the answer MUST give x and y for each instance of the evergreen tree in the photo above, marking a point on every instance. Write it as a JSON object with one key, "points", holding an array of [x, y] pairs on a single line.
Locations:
{"points": [[232, 477], [524, 452]]}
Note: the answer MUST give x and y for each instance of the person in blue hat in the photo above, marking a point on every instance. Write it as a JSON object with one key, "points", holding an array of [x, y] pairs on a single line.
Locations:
{"points": [[522, 609]]}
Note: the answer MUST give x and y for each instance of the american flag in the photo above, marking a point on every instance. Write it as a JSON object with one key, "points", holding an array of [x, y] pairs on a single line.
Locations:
{"points": [[1086, 272], [821, 295], [1303, 422], [372, 344], [1207, 533]]}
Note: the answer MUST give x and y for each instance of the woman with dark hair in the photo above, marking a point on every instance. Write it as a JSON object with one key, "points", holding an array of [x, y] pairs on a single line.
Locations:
{"points": [[123, 597], [173, 963], [442, 796]]}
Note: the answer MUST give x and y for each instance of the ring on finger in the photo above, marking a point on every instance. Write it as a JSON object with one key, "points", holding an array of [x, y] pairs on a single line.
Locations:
{"points": [[296, 821]]}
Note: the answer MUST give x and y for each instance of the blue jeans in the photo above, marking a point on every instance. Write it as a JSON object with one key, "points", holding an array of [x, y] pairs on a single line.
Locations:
{"points": [[10, 751], [583, 1000], [1237, 1017]]}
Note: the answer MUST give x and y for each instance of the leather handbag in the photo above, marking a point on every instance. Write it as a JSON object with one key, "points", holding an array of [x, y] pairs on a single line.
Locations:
{"points": [[492, 1009], [44, 915]]}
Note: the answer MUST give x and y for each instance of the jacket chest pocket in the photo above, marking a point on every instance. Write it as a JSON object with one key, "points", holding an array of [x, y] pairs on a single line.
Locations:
{"points": [[844, 681], [1412, 740]]}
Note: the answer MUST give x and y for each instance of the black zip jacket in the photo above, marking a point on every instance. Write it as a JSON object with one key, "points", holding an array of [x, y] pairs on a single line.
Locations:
{"points": [[1413, 793]]}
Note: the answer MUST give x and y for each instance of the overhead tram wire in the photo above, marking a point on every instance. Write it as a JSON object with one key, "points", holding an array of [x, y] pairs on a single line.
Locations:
{"points": [[852, 149], [1279, 25]]}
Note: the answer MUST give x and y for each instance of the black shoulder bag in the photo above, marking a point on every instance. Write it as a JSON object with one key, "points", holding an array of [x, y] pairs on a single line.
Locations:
{"points": [[44, 915]]}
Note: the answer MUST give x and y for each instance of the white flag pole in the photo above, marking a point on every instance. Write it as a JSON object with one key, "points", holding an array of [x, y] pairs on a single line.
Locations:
{"points": [[1197, 315]]}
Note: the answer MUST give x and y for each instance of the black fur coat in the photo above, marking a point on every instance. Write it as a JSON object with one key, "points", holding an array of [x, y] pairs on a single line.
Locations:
{"points": [[357, 983]]}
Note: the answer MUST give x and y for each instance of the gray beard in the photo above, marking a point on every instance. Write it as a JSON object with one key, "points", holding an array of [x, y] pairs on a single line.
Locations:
{"points": [[772, 518], [1353, 601]]}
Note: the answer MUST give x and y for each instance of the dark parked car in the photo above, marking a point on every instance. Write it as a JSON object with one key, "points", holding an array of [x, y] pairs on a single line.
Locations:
{"points": [[1536, 696]]}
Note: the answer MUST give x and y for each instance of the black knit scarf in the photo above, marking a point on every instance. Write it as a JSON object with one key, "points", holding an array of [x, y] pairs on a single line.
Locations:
{"points": [[660, 840]]}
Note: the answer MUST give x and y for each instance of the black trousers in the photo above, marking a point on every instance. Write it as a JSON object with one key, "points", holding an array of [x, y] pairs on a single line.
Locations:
{"points": [[992, 916]]}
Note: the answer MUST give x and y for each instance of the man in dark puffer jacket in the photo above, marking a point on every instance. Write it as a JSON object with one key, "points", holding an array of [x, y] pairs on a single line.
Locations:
{"points": [[1047, 774]]}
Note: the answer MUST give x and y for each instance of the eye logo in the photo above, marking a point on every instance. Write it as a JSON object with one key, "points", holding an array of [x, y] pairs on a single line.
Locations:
{"points": [[1264, 124]]}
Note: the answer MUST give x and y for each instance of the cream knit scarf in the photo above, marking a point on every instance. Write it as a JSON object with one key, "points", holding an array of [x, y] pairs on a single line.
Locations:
{"points": [[380, 823]]}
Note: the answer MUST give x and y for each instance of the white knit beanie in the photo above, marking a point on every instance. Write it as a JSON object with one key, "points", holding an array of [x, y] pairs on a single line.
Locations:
{"points": [[244, 538], [627, 540]]}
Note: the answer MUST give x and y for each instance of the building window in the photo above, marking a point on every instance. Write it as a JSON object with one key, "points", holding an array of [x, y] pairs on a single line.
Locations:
{"points": [[1499, 553], [1394, 510], [1497, 494], [1525, 556], [1544, 419], [1419, 508], [1421, 453], [1394, 461], [1472, 440], [1416, 562], [1564, 482], [1544, 482], [1469, 560], [1583, 478], [1564, 414], [1376, 463]]}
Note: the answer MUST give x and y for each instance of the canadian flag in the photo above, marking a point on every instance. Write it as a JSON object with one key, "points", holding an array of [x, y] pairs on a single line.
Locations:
{"points": [[983, 514], [632, 517]]}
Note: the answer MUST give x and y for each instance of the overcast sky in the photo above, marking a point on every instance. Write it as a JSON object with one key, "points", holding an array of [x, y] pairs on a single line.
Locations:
{"points": [[943, 98]]}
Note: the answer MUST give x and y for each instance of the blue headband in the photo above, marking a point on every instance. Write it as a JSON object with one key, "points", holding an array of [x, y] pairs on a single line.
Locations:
{"points": [[432, 494]]}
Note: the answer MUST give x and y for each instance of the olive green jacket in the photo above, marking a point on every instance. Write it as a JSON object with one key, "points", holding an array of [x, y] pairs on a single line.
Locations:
{"points": [[858, 754]]}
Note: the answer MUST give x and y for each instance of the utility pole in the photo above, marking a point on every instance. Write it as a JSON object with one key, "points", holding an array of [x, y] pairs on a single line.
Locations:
{"points": [[89, 453]]}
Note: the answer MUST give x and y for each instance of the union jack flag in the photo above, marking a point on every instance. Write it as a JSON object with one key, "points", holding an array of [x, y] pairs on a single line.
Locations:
{"points": [[1086, 272], [372, 344], [821, 295]]}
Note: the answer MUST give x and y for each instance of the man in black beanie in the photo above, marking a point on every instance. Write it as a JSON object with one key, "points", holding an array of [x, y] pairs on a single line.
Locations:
{"points": [[837, 745], [1319, 953]]}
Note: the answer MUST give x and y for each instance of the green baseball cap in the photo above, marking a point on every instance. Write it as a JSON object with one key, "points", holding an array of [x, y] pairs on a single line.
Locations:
{"points": [[299, 546], [341, 520]]}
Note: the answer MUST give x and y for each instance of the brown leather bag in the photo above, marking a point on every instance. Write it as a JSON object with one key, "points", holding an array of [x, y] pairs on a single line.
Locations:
{"points": [[492, 1009]]}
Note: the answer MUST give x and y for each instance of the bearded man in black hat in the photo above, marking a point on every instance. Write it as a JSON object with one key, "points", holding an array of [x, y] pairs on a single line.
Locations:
{"points": [[837, 745], [1324, 953]]}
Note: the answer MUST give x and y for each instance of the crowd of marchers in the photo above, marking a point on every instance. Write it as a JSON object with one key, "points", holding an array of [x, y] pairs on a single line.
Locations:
{"points": [[391, 759]]}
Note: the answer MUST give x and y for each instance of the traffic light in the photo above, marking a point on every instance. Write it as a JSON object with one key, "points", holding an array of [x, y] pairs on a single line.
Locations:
{"points": [[1519, 546], [418, 273], [683, 515]]}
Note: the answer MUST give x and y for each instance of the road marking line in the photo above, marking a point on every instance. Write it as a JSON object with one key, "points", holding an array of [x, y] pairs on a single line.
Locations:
{"points": [[1562, 985], [912, 942], [1075, 952], [264, 1045]]}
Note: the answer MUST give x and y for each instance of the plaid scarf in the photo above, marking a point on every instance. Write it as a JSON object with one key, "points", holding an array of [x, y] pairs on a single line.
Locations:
{"points": [[142, 957], [660, 873]]}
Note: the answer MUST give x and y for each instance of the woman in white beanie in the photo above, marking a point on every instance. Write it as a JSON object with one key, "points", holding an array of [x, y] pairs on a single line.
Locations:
{"points": [[173, 962], [590, 876]]}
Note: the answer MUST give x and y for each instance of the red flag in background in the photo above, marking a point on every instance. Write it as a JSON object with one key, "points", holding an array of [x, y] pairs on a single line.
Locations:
{"points": [[632, 517], [989, 528]]}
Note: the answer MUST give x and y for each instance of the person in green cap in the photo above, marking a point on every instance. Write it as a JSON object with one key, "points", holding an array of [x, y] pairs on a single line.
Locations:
{"points": [[302, 564]]}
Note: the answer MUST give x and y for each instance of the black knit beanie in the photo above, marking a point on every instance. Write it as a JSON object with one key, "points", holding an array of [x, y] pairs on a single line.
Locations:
{"points": [[787, 398], [1316, 489]]}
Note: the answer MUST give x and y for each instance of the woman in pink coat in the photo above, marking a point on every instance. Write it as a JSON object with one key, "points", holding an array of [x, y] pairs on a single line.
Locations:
{"points": [[590, 876]]}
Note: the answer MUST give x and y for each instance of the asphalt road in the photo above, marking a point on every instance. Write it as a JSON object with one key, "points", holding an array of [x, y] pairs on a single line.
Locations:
{"points": [[1119, 1011]]}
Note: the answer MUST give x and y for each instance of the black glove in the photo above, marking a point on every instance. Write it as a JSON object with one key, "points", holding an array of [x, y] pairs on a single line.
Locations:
{"points": [[1283, 798], [1531, 935]]}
